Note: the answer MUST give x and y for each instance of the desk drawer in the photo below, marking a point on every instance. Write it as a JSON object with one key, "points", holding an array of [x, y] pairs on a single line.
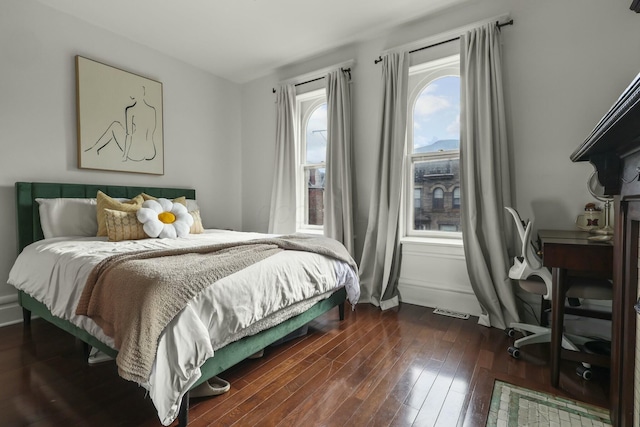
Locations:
{"points": [[594, 258]]}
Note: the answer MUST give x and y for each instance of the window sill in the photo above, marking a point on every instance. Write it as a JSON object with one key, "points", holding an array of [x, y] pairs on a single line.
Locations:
{"points": [[433, 241], [310, 231]]}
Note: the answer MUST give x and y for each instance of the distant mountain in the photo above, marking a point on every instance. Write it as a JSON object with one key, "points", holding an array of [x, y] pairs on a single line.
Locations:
{"points": [[441, 145]]}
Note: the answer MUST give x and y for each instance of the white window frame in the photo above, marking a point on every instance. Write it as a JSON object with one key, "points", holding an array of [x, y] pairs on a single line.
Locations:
{"points": [[306, 104], [423, 74]]}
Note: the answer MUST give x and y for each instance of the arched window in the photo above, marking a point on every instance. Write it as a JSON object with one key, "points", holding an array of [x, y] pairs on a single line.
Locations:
{"points": [[315, 153], [433, 147], [455, 204], [312, 152]]}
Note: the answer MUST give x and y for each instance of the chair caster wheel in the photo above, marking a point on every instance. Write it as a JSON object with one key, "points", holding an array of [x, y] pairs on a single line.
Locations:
{"points": [[514, 352], [510, 332], [584, 373]]}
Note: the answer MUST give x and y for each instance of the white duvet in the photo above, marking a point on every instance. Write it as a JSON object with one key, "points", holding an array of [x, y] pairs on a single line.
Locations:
{"points": [[54, 272]]}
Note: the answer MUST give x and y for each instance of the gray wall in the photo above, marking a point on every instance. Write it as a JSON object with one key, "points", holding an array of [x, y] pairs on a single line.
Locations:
{"points": [[565, 63], [38, 119]]}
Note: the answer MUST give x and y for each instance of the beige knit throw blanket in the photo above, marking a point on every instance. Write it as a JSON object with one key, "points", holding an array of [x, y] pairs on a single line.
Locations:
{"points": [[134, 296]]}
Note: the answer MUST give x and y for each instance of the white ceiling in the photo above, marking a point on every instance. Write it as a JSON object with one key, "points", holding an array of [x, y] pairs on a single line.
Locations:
{"points": [[241, 40]]}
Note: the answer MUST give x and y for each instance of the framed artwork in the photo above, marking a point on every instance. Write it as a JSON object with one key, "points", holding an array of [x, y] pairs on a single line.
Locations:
{"points": [[119, 119]]}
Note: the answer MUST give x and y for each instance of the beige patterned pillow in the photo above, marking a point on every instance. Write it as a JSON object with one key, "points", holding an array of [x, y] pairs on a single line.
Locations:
{"points": [[106, 202], [182, 199], [197, 227], [123, 226]]}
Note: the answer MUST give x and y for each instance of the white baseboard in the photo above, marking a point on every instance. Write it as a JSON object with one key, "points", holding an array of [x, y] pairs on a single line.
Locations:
{"points": [[10, 310], [437, 296]]}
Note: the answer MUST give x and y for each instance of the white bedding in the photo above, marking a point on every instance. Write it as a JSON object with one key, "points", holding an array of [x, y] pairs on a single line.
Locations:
{"points": [[238, 305]]}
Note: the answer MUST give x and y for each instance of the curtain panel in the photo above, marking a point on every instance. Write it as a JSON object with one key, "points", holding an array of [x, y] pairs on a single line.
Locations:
{"points": [[282, 216], [380, 263], [484, 176], [338, 205]]}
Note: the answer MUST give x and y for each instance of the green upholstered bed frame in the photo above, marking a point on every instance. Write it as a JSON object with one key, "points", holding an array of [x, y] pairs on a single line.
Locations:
{"points": [[29, 231]]}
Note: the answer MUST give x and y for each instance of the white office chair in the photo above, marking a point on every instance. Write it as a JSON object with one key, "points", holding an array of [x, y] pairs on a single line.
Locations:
{"points": [[533, 277]]}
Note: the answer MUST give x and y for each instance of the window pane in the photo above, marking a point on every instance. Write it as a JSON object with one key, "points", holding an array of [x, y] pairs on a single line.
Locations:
{"points": [[316, 135], [436, 116], [314, 177]]}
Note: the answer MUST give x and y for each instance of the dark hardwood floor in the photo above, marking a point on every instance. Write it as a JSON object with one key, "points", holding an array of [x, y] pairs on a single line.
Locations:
{"points": [[403, 367]]}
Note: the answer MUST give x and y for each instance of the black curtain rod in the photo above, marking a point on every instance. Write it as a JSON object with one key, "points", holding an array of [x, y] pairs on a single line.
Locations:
{"points": [[346, 70], [445, 41]]}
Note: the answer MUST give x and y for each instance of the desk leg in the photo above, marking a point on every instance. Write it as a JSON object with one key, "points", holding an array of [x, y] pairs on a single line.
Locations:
{"points": [[557, 322]]}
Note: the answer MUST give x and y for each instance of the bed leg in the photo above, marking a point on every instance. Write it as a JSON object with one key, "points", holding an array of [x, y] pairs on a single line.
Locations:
{"points": [[26, 317], [183, 414], [341, 311], [86, 351]]}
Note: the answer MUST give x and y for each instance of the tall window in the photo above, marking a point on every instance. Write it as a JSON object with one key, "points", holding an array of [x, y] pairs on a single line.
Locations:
{"points": [[456, 198], [312, 138], [433, 149], [438, 200]]}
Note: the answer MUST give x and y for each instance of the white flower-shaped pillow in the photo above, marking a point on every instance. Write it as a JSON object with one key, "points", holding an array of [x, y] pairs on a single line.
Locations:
{"points": [[165, 219]]}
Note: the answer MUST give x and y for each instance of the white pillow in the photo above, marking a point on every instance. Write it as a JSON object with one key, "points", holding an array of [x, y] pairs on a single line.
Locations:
{"points": [[68, 217]]}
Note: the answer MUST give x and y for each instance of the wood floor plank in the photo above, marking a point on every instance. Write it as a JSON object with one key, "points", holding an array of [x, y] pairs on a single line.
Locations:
{"points": [[451, 409], [400, 367], [372, 381], [373, 401], [342, 390], [480, 399], [418, 394], [405, 417]]}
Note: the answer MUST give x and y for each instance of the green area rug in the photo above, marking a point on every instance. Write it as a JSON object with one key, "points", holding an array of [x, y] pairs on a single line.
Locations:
{"points": [[513, 406]]}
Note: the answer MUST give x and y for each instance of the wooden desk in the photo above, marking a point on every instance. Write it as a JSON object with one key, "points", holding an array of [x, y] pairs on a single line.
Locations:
{"points": [[567, 251]]}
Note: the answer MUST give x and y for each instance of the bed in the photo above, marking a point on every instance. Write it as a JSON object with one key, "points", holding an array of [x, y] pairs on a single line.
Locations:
{"points": [[242, 341]]}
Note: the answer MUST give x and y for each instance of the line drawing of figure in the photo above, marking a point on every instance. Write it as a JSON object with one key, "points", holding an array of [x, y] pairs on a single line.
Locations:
{"points": [[136, 138]]}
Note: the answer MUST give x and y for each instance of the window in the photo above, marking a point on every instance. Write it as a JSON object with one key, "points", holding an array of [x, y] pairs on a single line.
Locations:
{"points": [[455, 204], [433, 149], [438, 200], [312, 143]]}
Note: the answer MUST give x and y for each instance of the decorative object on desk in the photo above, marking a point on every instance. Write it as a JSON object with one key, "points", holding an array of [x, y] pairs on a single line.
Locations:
{"points": [[518, 406], [597, 191], [590, 220], [119, 119]]}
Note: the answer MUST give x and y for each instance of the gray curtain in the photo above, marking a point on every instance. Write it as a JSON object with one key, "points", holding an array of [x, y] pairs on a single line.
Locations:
{"points": [[282, 217], [338, 210], [484, 175], [380, 263]]}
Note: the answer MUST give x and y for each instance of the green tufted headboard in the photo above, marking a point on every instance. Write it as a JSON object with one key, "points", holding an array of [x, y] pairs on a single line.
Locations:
{"points": [[28, 214]]}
